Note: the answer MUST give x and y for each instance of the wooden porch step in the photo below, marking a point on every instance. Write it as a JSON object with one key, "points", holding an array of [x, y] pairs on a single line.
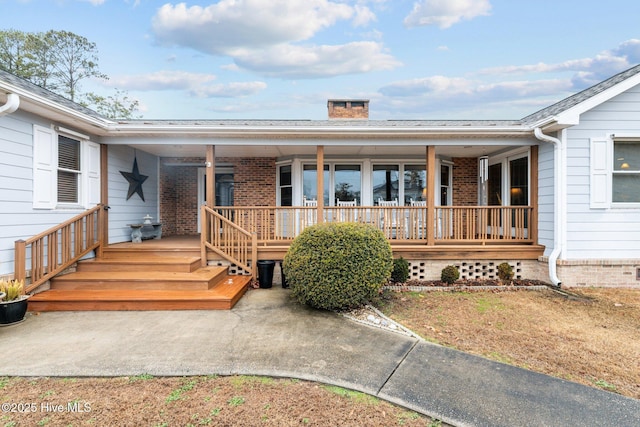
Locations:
{"points": [[125, 252], [178, 264], [201, 279], [222, 296]]}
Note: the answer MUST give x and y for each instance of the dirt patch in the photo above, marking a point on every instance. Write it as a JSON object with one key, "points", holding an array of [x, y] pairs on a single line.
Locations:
{"points": [[591, 336], [193, 401]]}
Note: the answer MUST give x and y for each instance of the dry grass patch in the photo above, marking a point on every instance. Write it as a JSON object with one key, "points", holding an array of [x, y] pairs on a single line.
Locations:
{"points": [[193, 401], [591, 336]]}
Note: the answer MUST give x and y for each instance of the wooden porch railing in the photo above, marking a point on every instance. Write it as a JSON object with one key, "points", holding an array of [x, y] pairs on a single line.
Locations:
{"points": [[403, 224], [229, 240], [50, 252]]}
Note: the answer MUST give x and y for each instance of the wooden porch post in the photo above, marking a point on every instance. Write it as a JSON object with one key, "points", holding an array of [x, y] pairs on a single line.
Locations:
{"points": [[103, 215], [210, 181], [533, 221], [320, 181], [431, 194]]}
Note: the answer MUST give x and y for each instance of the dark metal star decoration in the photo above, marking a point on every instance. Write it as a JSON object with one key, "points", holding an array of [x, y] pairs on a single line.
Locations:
{"points": [[135, 180]]}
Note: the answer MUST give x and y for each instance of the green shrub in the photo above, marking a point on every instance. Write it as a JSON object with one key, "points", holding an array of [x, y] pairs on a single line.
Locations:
{"points": [[450, 274], [505, 272], [337, 266], [400, 272]]}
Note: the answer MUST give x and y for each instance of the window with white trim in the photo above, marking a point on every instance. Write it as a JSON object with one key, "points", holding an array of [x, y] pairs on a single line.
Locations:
{"points": [[66, 170], [625, 183], [69, 172]]}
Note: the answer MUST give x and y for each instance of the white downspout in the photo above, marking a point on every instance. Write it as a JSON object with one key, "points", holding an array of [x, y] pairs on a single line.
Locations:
{"points": [[558, 206], [12, 104]]}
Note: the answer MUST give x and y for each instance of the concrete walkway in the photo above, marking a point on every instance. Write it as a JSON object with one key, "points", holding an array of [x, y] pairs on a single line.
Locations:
{"points": [[269, 334]]}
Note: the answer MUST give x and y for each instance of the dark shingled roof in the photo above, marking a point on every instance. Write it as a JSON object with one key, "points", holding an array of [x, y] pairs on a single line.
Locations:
{"points": [[579, 97], [531, 119], [37, 90]]}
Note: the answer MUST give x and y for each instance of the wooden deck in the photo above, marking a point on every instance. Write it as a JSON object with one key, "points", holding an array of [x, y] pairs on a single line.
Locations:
{"points": [[153, 275], [166, 274]]}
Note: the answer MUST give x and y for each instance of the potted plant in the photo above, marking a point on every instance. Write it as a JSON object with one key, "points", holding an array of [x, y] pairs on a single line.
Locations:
{"points": [[13, 304]]}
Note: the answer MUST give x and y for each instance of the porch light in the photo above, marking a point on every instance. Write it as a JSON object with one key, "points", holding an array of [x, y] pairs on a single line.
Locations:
{"points": [[625, 165]]}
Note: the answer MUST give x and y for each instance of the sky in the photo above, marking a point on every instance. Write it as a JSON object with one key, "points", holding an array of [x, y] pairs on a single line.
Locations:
{"points": [[283, 59]]}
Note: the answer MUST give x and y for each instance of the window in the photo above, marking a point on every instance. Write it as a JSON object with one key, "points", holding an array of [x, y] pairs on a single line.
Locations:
{"points": [[626, 172], [347, 183], [386, 182], [285, 186], [341, 181], [68, 170], [415, 183], [310, 183], [399, 181]]}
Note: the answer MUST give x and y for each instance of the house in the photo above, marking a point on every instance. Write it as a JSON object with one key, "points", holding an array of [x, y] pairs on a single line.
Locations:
{"points": [[556, 194]]}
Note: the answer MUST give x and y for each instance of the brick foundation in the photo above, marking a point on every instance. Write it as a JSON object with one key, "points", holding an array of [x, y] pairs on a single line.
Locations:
{"points": [[598, 273]]}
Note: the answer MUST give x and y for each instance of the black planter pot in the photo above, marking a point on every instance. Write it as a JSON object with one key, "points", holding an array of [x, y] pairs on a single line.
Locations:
{"points": [[13, 311]]}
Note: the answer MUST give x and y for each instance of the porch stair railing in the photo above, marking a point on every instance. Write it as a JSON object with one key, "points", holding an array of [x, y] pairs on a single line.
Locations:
{"points": [[228, 240], [52, 251]]}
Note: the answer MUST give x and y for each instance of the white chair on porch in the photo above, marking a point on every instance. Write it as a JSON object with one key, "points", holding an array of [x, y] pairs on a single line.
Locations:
{"points": [[310, 215], [347, 215], [417, 218], [391, 219]]}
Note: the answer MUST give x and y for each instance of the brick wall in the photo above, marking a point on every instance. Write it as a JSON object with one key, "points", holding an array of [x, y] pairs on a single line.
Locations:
{"points": [[348, 109], [254, 185], [465, 181]]}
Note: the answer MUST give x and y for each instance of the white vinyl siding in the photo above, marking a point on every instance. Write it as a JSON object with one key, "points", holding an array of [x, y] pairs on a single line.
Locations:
{"points": [[597, 228]]}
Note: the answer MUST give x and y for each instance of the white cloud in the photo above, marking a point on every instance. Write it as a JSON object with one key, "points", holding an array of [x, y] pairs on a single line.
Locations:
{"points": [[363, 16], [317, 61], [538, 85], [265, 35], [587, 71], [445, 13], [229, 90], [453, 95], [197, 85], [223, 27], [162, 80], [94, 2]]}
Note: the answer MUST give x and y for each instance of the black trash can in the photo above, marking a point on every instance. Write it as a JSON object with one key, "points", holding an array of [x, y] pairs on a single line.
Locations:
{"points": [[285, 285], [265, 273]]}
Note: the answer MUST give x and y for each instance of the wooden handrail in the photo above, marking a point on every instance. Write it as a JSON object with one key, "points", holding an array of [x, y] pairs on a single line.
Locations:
{"points": [[451, 224], [57, 248], [228, 240]]}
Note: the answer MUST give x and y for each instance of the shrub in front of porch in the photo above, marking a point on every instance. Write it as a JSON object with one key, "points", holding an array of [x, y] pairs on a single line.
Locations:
{"points": [[338, 266]]}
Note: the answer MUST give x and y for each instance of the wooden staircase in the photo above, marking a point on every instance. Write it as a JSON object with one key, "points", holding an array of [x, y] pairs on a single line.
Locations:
{"points": [[143, 279]]}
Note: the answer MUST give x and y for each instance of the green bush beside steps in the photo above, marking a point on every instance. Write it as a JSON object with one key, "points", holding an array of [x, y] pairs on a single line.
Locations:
{"points": [[338, 266]]}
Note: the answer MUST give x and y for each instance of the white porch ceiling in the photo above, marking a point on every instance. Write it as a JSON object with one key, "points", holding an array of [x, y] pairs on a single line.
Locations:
{"points": [[192, 150]]}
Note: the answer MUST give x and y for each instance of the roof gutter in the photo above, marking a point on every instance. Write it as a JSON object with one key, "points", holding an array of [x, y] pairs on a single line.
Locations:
{"points": [[12, 104], [558, 206]]}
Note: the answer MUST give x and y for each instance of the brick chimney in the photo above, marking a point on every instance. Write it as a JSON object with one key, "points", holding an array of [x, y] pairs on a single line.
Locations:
{"points": [[348, 108]]}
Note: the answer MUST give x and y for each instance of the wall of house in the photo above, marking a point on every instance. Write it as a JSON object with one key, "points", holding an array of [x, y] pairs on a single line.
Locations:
{"points": [[546, 194], [18, 218], [254, 185], [592, 233], [602, 245], [132, 211], [465, 181]]}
